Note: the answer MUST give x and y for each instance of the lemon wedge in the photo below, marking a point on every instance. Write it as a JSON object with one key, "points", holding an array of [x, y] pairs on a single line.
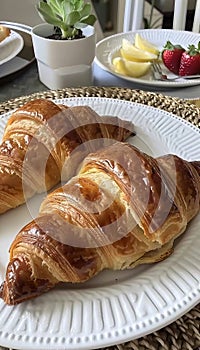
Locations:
{"points": [[145, 45], [119, 65], [136, 69], [132, 53], [130, 68]]}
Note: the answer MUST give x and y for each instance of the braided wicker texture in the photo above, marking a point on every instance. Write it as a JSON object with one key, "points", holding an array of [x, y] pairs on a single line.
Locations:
{"points": [[183, 334]]}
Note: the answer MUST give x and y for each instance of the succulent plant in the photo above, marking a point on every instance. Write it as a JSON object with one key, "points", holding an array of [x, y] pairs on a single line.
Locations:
{"points": [[70, 16]]}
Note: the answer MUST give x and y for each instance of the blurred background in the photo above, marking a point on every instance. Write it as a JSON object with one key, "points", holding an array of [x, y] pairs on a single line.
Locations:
{"points": [[157, 14]]}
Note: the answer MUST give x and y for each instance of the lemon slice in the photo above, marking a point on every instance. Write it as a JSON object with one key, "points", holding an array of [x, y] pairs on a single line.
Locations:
{"points": [[132, 53], [145, 45], [136, 69], [119, 66], [130, 68]]}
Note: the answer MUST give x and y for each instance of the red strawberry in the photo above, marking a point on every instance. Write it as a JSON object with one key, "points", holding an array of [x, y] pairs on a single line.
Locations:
{"points": [[171, 56], [190, 61]]}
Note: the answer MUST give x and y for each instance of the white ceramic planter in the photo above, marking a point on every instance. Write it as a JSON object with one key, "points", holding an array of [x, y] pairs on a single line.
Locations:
{"points": [[64, 63]]}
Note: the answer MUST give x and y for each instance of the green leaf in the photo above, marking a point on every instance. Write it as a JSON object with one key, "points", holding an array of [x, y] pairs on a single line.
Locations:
{"points": [[80, 25], [90, 20], [85, 12], [193, 50], [67, 7], [79, 5], [47, 14], [55, 5], [73, 17]]}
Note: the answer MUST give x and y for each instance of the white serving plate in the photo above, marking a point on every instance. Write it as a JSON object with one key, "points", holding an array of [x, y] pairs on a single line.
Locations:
{"points": [[109, 47], [10, 47], [115, 306]]}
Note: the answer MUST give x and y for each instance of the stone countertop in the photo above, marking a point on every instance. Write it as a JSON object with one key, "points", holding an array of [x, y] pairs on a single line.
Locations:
{"points": [[24, 84]]}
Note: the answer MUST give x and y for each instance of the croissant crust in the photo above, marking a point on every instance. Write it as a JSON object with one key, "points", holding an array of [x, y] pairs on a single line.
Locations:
{"points": [[44, 143], [122, 209]]}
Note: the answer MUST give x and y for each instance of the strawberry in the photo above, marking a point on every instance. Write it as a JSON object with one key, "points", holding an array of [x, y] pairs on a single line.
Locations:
{"points": [[171, 56], [190, 61]]}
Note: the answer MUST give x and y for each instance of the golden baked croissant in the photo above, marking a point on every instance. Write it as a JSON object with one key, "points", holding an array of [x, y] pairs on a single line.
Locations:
{"points": [[122, 209], [38, 140]]}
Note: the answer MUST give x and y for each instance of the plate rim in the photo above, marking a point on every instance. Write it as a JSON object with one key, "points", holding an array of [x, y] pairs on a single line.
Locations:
{"points": [[141, 81], [60, 346], [14, 35]]}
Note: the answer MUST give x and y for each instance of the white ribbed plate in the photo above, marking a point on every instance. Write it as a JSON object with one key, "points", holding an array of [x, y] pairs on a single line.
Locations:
{"points": [[114, 306], [108, 48], [10, 47]]}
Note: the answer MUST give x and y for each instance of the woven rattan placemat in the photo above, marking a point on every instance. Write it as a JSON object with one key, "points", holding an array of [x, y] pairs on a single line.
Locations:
{"points": [[183, 334]]}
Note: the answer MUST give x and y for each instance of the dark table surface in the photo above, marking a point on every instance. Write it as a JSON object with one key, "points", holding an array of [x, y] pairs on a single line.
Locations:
{"points": [[27, 82]]}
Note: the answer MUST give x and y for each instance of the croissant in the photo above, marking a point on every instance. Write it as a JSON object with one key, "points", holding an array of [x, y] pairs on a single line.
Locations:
{"points": [[44, 143], [122, 209]]}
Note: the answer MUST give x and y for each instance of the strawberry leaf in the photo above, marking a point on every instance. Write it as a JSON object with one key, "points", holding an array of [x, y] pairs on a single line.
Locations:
{"points": [[171, 47], [192, 50]]}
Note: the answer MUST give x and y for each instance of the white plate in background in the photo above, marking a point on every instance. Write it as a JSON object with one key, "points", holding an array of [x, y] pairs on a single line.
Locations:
{"points": [[109, 47], [115, 306], [10, 47]]}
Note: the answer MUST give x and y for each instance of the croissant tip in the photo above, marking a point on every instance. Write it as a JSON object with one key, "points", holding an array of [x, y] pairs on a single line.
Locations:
{"points": [[5, 295], [18, 285]]}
